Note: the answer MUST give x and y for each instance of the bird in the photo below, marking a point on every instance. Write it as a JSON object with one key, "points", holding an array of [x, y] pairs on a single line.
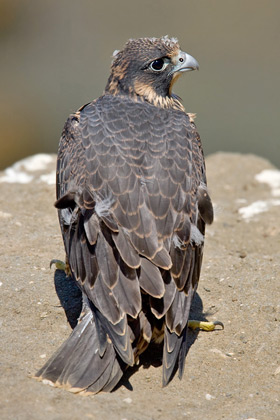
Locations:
{"points": [[132, 203]]}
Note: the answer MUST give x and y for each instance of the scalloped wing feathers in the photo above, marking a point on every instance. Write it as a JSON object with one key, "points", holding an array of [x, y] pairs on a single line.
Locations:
{"points": [[130, 186]]}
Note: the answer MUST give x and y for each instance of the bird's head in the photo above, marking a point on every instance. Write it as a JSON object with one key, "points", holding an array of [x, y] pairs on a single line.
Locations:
{"points": [[148, 67]]}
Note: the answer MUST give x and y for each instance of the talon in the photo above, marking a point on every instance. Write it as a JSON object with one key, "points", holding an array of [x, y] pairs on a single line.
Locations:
{"points": [[59, 265], [219, 323], [204, 325]]}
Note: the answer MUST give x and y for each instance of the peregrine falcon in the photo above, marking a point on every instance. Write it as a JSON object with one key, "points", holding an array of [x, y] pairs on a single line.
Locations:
{"points": [[132, 202]]}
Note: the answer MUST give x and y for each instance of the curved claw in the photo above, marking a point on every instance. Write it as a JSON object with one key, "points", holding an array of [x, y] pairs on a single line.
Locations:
{"points": [[220, 324], [59, 265]]}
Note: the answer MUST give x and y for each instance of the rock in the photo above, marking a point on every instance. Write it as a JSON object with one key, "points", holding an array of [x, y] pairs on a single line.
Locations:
{"points": [[240, 277]]}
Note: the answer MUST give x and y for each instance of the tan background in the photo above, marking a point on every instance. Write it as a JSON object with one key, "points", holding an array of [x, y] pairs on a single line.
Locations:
{"points": [[55, 56]]}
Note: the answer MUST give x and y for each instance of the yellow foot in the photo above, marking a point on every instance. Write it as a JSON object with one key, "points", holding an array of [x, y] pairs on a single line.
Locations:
{"points": [[60, 265], [205, 326]]}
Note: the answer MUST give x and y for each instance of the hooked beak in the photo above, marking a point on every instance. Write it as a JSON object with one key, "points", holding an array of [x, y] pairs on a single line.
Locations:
{"points": [[185, 62]]}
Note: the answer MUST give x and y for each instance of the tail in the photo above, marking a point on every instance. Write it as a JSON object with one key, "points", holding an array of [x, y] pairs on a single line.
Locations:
{"points": [[174, 354], [84, 364]]}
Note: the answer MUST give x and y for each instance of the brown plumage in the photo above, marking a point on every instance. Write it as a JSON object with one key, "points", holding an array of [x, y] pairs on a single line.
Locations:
{"points": [[133, 203]]}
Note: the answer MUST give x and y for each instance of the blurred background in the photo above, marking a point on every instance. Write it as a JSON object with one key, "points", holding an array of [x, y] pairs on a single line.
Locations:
{"points": [[56, 55]]}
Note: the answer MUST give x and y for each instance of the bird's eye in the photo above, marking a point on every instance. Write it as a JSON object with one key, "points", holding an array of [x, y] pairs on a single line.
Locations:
{"points": [[158, 65]]}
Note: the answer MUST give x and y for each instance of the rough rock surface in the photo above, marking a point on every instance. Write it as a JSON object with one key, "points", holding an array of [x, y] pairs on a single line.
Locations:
{"points": [[231, 374]]}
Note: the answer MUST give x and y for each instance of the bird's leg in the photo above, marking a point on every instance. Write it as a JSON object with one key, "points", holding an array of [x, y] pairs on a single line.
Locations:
{"points": [[204, 325], [60, 265]]}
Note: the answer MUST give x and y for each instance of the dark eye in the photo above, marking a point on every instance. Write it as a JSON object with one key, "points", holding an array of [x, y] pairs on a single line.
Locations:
{"points": [[158, 64]]}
